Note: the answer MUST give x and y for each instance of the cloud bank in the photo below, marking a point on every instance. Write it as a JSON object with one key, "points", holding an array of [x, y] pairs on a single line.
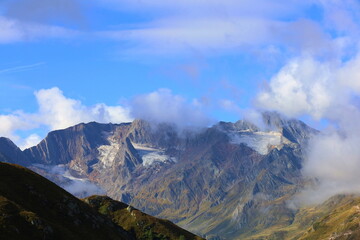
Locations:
{"points": [[326, 87], [163, 106], [323, 90], [56, 111]]}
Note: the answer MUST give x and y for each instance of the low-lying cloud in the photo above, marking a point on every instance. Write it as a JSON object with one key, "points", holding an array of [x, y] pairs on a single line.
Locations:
{"points": [[60, 174], [163, 106], [56, 111], [323, 90]]}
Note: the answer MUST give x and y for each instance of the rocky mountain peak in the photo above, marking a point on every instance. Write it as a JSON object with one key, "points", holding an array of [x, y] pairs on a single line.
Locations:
{"points": [[294, 130], [239, 167], [9, 152]]}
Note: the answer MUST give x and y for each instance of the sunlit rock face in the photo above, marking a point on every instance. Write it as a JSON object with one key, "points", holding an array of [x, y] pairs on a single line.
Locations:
{"points": [[222, 180]]}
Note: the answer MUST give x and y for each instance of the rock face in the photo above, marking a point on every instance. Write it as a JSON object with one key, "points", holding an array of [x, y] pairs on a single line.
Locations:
{"points": [[230, 181], [10, 153]]}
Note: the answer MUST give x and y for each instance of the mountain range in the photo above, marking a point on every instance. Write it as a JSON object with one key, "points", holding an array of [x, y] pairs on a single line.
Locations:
{"points": [[227, 181]]}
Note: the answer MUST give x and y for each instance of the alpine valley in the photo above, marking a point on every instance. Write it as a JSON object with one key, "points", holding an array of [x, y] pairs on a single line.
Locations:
{"points": [[228, 181]]}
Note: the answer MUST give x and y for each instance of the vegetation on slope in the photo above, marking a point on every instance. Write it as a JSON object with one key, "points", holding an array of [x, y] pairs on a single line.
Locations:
{"points": [[336, 219], [31, 207], [342, 223], [143, 226]]}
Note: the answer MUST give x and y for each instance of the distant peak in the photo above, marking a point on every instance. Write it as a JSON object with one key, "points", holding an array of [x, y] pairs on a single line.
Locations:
{"points": [[7, 142]]}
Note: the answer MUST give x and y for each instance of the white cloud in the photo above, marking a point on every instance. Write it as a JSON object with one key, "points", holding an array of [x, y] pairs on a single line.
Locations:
{"points": [[323, 90], [57, 112], [334, 160], [79, 187], [82, 188], [326, 88], [163, 106], [15, 121], [303, 86], [30, 141], [307, 86]]}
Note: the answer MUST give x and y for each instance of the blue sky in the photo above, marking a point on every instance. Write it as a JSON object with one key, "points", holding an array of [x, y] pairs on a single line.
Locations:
{"points": [[115, 60]]}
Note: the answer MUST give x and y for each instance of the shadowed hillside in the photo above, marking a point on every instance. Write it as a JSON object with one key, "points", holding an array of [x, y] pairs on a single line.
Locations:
{"points": [[32, 207]]}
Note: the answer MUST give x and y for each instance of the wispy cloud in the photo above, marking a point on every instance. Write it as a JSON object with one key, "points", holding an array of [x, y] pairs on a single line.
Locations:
{"points": [[45, 11], [175, 27], [12, 30], [214, 27], [22, 68]]}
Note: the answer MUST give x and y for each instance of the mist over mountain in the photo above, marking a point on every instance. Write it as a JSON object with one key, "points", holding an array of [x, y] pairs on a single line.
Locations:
{"points": [[231, 180]]}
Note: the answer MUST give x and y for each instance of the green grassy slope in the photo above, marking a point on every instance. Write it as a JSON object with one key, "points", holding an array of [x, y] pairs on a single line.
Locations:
{"points": [[31, 207], [142, 225], [336, 219], [342, 222]]}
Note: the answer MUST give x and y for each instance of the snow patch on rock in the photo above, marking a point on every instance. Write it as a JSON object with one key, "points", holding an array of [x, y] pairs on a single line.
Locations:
{"points": [[262, 142], [107, 153], [152, 155]]}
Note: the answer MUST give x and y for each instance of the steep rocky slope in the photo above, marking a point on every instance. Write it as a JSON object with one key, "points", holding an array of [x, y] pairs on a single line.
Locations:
{"points": [[223, 181]]}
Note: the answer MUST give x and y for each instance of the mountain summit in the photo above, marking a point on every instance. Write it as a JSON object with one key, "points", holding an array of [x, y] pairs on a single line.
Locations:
{"points": [[227, 180]]}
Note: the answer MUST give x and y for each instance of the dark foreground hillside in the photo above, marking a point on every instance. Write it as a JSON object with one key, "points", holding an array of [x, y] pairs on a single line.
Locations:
{"points": [[142, 225], [31, 207]]}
